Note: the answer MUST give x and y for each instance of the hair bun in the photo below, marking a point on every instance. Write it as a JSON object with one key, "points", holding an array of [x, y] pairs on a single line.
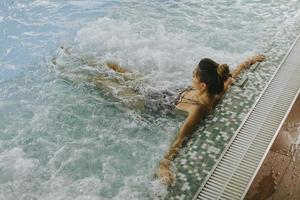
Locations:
{"points": [[223, 71]]}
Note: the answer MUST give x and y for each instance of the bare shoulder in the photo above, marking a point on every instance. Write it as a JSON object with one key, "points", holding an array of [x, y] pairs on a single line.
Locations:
{"points": [[199, 111]]}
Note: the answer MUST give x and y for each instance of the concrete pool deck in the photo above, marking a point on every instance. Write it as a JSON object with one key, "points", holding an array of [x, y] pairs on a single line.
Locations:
{"points": [[203, 150]]}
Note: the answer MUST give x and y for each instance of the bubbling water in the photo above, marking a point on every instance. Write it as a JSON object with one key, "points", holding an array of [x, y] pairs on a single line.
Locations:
{"points": [[61, 138], [160, 55]]}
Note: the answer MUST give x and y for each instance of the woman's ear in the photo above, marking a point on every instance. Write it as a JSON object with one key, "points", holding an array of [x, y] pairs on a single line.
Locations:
{"points": [[203, 86]]}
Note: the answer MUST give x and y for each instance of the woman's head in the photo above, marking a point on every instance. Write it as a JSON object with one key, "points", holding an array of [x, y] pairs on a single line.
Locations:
{"points": [[211, 75]]}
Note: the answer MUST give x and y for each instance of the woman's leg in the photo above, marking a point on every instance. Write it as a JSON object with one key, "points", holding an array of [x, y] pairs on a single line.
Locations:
{"points": [[119, 85], [116, 67]]}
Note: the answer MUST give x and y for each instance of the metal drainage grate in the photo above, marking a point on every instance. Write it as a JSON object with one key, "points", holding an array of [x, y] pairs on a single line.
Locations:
{"points": [[240, 161]]}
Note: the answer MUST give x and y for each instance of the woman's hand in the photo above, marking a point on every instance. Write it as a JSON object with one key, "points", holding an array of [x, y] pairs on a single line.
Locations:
{"points": [[230, 81], [164, 172]]}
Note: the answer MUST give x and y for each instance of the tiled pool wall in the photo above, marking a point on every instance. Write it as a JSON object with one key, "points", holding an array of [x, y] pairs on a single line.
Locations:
{"points": [[197, 158]]}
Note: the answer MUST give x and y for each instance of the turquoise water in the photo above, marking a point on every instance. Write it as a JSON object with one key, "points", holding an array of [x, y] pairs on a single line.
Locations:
{"points": [[64, 139]]}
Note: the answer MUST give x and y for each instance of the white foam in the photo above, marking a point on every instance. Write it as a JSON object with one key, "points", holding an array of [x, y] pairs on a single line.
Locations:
{"points": [[154, 51], [159, 190], [41, 2], [89, 185], [134, 184], [153, 39], [89, 198], [125, 43], [14, 163]]}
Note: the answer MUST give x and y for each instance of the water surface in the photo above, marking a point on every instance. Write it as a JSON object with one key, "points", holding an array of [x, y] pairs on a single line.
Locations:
{"points": [[64, 139]]}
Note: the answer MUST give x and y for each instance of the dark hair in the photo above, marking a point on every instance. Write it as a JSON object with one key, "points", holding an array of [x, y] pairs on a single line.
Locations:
{"points": [[213, 75]]}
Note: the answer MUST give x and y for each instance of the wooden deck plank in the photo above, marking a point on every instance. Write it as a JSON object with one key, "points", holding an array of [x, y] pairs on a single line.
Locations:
{"points": [[289, 186], [279, 176], [269, 176]]}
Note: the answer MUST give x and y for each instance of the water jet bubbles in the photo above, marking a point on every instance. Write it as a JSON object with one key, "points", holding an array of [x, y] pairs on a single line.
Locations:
{"points": [[88, 145], [142, 52], [159, 190], [15, 165]]}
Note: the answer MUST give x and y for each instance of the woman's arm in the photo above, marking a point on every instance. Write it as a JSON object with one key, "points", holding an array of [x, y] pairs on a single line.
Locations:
{"points": [[193, 119], [191, 122], [246, 64]]}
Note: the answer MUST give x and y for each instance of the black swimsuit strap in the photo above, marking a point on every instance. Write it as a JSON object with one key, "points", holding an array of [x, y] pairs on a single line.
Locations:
{"points": [[186, 89], [191, 101], [181, 97]]}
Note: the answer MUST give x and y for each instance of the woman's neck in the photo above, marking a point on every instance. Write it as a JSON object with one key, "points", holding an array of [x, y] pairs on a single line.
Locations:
{"points": [[203, 96]]}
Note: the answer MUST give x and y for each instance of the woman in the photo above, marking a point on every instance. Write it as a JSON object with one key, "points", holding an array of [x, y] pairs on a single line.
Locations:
{"points": [[209, 83]]}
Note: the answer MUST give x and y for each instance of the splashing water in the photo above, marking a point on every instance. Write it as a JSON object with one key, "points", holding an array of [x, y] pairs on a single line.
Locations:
{"points": [[62, 139]]}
